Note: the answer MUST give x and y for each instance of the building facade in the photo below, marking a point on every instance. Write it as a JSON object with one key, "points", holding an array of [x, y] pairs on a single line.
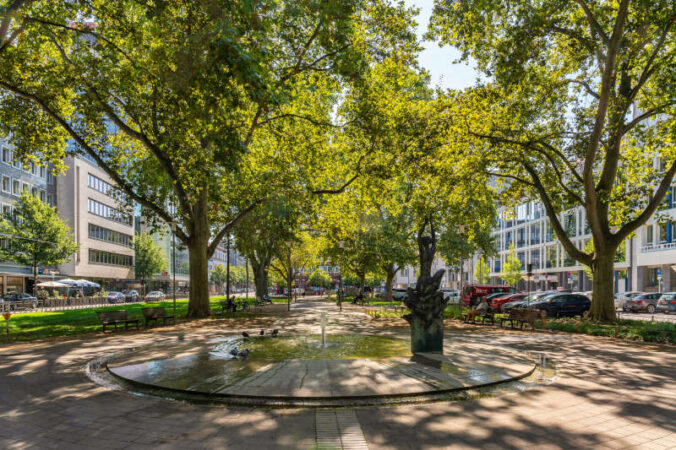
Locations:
{"points": [[16, 177], [101, 226]]}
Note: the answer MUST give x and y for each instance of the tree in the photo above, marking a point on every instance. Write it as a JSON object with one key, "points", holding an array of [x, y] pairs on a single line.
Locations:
{"points": [[578, 110], [219, 275], [481, 270], [511, 269], [149, 258], [289, 259], [35, 236], [174, 100], [261, 236], [320, 279]]}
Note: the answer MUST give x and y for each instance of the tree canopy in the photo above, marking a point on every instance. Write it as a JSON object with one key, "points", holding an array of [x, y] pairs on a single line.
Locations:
{"points": [[577, 111], [149, 259]]}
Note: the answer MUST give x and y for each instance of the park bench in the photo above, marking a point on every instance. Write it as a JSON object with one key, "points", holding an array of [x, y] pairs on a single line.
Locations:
{"points": [[484, 315], [231, 305], [521, 317], [115, 317], [155, 313]]}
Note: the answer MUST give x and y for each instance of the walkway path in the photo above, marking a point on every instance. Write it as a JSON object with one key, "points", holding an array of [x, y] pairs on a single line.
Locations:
{"points": [[608, 395]]}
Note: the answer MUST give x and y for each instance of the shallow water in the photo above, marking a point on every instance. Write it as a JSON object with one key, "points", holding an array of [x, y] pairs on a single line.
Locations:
{"points": [[310, 348]]}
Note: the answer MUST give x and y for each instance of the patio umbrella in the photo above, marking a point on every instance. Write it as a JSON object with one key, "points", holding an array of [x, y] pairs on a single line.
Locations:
{"points": [[52, 284], [88, 283], [71, 283]]}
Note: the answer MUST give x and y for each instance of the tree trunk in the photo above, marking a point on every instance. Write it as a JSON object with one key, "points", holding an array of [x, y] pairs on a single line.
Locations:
{"points": [[390, 272], [362, 282], [198, 305], [260, 273], [603, 303]]}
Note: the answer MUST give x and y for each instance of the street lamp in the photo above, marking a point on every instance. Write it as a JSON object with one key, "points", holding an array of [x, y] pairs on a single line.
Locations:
{"points": [[289, 281], [227, 270], [173, 260]]}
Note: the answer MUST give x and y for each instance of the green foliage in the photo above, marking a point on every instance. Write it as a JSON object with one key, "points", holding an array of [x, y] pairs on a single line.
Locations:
{"points": [[319, 278], [199, 111], [219, 274], [34, 234], [511, 269], [149, 258], [481, 270]]}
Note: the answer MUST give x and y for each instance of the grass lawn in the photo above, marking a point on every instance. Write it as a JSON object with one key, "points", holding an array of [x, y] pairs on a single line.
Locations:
{"points": [[38, 325]]}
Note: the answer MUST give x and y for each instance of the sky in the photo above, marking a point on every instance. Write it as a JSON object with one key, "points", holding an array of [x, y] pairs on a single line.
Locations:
{"points": [[439, 61]]}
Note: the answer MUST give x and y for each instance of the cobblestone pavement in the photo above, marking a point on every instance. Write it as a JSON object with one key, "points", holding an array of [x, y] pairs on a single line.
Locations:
{"points": [[608, 395]]}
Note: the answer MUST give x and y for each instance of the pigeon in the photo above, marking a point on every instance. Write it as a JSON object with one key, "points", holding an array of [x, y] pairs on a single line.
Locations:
{"points": [[275, 332], [243, 354], [245, 334], [234, 351], [262, 332]]}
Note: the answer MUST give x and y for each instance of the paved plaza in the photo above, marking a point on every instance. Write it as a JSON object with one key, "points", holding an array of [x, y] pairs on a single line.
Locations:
{"points": [[606, 394]]}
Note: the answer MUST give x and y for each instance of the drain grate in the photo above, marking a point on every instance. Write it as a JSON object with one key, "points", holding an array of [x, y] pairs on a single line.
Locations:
{"points": [[339, 430]]}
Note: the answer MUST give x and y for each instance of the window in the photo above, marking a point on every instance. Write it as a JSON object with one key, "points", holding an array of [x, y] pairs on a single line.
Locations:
{"points": [[6, 184], [104, 234], [16, 187], [6, 209], [649, 234], [34, 191], [50, 200], [108, 258], [109, 213], [535, 258], [25, 187], [43, 171], [98, 184], [6, 155], [535, 234], [570, 225], [521, 237], [42, 196]]}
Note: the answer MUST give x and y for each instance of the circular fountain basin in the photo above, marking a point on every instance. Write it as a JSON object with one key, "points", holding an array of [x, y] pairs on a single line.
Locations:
{"points": [[348, 370]]}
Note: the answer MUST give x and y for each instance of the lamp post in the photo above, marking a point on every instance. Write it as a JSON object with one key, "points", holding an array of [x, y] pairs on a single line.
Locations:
{"points": [[289, 280], [246, 265], [173, 261], [227, 270]]}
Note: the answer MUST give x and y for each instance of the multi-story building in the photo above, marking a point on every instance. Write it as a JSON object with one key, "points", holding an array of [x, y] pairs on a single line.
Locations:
{"points": [[15, 177], [645, 262], [101, 226]]}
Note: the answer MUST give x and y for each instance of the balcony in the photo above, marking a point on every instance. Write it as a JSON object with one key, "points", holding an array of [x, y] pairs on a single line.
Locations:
{"points": [[648, 248]]}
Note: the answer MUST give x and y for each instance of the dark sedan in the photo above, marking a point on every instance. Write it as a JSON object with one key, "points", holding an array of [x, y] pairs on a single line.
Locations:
{"points": [[532, 298], [131, 296], [563, 305], [667, 303], [642, 303], [115, 297]]}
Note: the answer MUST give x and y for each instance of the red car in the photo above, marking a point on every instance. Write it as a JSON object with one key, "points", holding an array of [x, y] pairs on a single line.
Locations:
{"points": [[497, 302], [471, 293]]}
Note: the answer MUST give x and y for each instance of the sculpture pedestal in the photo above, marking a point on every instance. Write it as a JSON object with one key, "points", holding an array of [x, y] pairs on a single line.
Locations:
{"points": [[427, 336]]}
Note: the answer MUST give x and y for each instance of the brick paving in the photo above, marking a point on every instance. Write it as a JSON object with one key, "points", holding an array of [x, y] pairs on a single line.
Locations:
{"points": [[608, 394]]}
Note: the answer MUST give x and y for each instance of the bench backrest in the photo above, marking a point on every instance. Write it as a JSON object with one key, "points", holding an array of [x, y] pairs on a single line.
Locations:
{"points": [[154, 312], [117, 314]]}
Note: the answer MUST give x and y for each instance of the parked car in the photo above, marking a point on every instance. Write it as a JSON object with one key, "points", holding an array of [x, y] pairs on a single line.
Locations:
{"points": [[472, 292], [667, 303], [22, 300], [528, 300], [642, 302], [398, 294], [500, 300], [563, 305], [622, 297], [115, 297], [154, 296], [132, 295], [452, 295]]}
